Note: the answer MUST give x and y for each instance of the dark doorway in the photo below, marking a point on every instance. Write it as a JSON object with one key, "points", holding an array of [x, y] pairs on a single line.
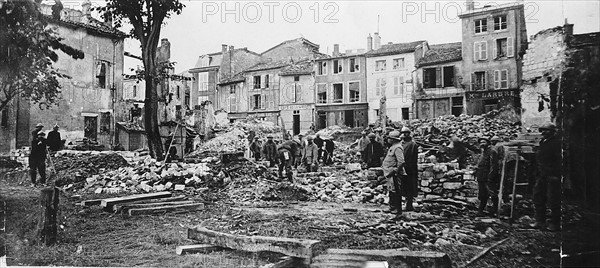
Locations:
{"points": [[322, 120], [349, 118], [91, 127], [404, 113], [296, 123]]}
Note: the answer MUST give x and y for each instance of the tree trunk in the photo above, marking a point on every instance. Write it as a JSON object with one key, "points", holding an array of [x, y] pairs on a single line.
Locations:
{"points": [[47, 227], [151, 120]]}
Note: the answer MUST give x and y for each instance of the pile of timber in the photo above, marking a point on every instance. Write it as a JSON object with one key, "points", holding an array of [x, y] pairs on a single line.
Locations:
{"points": [[145, 204]]}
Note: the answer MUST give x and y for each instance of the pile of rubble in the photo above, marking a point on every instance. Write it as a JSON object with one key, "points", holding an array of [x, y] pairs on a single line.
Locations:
{"points": [[74, 168], [7, 163], [228, 141]]}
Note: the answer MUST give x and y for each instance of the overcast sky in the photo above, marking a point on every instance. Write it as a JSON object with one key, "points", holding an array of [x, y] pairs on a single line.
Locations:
{"points": [[204, 25]]}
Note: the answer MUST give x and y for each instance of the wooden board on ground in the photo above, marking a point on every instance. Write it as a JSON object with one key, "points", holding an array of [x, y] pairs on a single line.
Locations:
{"points": [[164, 209], [397, 258], [117, 208], [193, 249], [93, 202], [109, 202], [125, 208], [301, 248]]}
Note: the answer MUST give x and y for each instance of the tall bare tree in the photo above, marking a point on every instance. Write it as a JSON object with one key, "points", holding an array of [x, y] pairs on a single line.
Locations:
{"points": [[146, 17]]}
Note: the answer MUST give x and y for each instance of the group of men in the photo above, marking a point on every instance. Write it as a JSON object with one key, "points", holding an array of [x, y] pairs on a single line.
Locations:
{"points": [[292, 153], [399, 165], [39, 151]]}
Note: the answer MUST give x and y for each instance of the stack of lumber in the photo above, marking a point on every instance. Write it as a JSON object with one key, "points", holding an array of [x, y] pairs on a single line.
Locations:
{"points": [[145, 204]]}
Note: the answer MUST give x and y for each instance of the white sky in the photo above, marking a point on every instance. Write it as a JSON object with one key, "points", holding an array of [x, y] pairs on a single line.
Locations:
{"points": [[204, 25]]}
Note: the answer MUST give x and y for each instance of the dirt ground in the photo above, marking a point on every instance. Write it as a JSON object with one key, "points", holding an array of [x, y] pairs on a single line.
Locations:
{"points": [[91, 237]]}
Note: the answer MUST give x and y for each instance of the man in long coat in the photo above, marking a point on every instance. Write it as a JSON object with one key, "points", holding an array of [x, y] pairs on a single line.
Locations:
{"points": [[393, 168], [409, 183], [37, 159], [373, 152], [270, 151], [54, 141], [482, 173], [547, 188]]}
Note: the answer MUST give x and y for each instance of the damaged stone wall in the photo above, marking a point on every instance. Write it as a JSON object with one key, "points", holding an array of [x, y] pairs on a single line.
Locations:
{"points": [[445, 180]]}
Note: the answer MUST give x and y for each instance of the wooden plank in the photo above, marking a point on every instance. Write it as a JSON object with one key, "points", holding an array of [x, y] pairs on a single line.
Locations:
{"points": [[109, 202], [399, 258], [193, 249], [125, 208], [92, 202], [164, 209], [478, 256], [117, 208], [301, 248]]}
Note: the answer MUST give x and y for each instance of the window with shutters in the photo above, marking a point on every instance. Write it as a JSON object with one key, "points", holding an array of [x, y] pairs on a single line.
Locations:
{"points": [[398, 63], [500, 23], [187, 99], [232, 99], [481, 26], [448, 76], [256, 101], [398, 85], [256, 82], [178, 92], [321, 93], [429, 77], [501, 48], [353, 65], [338, 93], [337, 66], [479, 81], [266, 81], [380, 86], [296, 92], [322, 68], [203, 81], [354, 88], [501, 79], [101, 74], [380, 65], [480, 50]]}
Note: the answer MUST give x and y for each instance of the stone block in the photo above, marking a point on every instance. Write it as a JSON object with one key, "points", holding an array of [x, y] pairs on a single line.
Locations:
{"points": [[452, 185], [396, 257], [425, 183]]}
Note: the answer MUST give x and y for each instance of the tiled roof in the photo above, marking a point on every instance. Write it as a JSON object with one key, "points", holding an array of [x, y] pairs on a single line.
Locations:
{"points": [[301, 39], [399, 48], [299, 68], [442, 53], [239, 77], [587, 39], [93, 25], [269, 65]]}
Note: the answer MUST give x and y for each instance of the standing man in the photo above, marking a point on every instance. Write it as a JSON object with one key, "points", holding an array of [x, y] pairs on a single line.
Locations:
{"points": [[54, 141], [497, 158], [319, 142], [483, 177], [255, 147], [547, 188], [287, 151], [37, 159], [362, 145], [270, 151], [34, 132], [393, 168], [298, 157], [311, 155], [411, 157], [373, 152], [328, 155]]}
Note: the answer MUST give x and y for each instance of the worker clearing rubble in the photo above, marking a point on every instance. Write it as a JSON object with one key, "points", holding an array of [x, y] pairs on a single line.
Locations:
{"points": [[373, 152], [393, 168], [411, 157], [298, 157], [362, 145], [547, 188], [487, 184], [310, 157], [287, 152], [459, 151], [269, 151], [255, 148]]}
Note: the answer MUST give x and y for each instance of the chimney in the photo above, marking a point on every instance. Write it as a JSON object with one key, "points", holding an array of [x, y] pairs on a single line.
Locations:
{"points": [[377, 41], [568, 28], [336, 50], [86, 7], [223, 49], [369, 43], [231, 66], [470, 5]]}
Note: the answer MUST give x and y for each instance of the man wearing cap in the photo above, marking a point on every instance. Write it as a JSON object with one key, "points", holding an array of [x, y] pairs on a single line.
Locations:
{"points": [[482, 173], [37, 159], [374, 152], [310, 157], [255, 147], [411, 157], [393, 168], [547, 188], [269, 151], [287, 151], [35, 131], [54, 141]]}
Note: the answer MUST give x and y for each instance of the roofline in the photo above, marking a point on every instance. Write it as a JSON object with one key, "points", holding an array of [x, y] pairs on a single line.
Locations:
{"points": [[412, 50], [479, 11], [344, 56], [119, 34], [297, 73], [304, 40], [418, 65]]}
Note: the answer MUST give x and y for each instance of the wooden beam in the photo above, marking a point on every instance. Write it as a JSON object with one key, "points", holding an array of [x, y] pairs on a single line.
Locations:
{"points": [[193, 249], [126, 207], [109, 202], [164, 209], [398, 258], [117, 208], [92, 202], [301, 248]]}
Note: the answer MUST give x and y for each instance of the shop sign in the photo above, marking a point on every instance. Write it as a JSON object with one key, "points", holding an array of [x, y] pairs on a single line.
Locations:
{"points": [[492, 94]]}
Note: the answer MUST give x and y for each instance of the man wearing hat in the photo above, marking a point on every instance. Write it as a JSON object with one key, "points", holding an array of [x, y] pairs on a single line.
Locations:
{"points": [[35, 131], [269, 151], [482, 172], [374, 152], [54, 141], [411, 157], [255, 147], [37, 159], [287, 151], [547, 188], [362, 145], [393, 168], [310, 157]]}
